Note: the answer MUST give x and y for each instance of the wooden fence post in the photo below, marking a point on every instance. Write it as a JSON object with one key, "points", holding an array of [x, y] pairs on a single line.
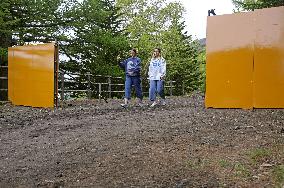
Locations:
{"points": [[4, 82], [171, 87], [100, 91], [89, 85], [62, 85], [109, 87], [183, 92]]}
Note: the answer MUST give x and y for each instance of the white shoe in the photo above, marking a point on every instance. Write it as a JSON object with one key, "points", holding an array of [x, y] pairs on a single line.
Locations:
{"points": [[140, 104], [153, 104], [163, 102], [124, 105]]}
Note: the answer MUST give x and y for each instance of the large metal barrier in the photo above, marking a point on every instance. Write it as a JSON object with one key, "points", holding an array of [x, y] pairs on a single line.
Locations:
{"points": [[245, 60], [32, 75]]}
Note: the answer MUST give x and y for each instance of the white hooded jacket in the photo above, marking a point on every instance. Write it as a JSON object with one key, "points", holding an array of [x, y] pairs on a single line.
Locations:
{"points": [[157, 68]]}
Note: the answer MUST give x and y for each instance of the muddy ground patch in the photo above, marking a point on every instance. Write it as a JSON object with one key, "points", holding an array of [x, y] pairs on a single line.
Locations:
{"points": [[96, 144]]}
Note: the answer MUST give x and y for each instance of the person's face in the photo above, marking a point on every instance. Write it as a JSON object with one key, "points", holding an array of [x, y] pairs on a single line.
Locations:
{"points": [[132, 53], [156, 53]]}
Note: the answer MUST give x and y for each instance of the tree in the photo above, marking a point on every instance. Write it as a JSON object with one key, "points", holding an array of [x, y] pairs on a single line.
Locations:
{"points": [[182, 58], [6, 24], [97, 39], [251, 5], [25, 21]]}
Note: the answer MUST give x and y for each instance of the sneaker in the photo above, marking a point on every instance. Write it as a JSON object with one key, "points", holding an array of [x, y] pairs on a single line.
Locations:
{"points": [[153, 104], [140, 104], [124, 105], [163, 102]]}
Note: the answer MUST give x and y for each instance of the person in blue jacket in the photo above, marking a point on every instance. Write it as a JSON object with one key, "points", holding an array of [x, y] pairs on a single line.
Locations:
{"points": [[132, 67]]}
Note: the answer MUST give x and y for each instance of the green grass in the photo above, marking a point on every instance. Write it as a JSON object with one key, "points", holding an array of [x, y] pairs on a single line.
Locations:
{"points": [[259, 154], [197, 163], [224, 163], [241, 171], [278, 175]]}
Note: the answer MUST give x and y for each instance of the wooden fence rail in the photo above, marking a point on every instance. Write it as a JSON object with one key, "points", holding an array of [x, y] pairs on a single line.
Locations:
{"points": [[99, 91], [108, 88], [3, 83]]}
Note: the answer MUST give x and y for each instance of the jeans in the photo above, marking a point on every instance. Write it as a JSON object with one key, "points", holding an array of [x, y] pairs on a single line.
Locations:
{"points": [[136, 81], [156, 86]]}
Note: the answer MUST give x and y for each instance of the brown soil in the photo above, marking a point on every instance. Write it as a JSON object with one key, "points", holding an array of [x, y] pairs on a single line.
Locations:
{"points": [[98, 144]]}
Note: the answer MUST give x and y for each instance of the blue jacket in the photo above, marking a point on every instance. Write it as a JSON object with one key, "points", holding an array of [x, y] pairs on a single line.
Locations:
{"points": [[132, 66]]}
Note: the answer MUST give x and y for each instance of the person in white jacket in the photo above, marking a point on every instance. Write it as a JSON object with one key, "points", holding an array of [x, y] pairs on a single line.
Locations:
{"points": [[157, 74]]}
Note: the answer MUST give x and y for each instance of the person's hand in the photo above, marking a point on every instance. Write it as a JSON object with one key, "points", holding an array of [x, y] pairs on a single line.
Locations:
{"points": [[162, 77], [118, 58]]}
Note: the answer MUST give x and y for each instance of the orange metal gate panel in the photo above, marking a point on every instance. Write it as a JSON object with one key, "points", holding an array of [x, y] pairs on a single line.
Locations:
{"points": [[31, 75], [245, 60], [229, 66], [269, 58]]}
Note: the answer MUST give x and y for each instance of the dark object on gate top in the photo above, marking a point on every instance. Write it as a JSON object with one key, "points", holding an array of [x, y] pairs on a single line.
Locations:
{"points": [[211, 11]]}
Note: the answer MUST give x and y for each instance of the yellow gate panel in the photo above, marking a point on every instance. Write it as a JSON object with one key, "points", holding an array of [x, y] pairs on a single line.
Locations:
{"points": [[229, 65], [269, 58], [19, 81], [43, 75], [31, 75]]}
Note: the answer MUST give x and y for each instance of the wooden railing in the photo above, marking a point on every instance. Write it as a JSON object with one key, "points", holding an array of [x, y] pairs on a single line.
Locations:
{"points": [[109, 87], [3, 83]]}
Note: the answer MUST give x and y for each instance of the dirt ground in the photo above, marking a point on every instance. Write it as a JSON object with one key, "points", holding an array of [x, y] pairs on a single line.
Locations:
{"points": [[98, 144]]}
